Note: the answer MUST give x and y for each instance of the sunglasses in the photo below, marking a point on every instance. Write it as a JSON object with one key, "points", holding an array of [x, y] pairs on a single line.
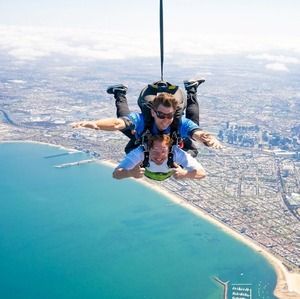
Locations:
{"points": [[162, 115]]}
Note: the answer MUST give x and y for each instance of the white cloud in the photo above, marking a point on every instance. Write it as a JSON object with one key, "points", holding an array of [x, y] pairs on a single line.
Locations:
{"points": [[31, 43], [278, 62], [277, 67], [277, 58]]}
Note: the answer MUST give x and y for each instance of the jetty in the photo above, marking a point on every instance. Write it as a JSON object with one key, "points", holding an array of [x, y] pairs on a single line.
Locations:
{"points": [[77, 163], [224, 284], [57, 155]]}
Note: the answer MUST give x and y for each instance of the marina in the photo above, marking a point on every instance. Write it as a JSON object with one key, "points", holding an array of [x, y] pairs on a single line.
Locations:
{"points": [[224, 284]]}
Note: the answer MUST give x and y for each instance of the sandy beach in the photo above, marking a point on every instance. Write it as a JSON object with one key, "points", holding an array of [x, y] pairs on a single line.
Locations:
{"points": [[288, 283]]}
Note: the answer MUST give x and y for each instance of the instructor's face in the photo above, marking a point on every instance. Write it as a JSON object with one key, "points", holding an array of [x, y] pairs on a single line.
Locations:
{"points": [[163, 116], [159, 152]]}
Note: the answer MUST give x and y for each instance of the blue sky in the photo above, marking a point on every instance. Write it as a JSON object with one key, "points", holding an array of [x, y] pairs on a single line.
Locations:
{"points": [[119, 29], [215, 16]]}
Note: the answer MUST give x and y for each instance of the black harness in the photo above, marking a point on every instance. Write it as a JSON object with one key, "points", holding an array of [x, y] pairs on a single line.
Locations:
{"points": [[144, 141], [145, 100]]}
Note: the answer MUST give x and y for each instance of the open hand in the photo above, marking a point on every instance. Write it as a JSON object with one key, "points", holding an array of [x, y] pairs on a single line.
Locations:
{"points": [[137, 172], [85, 124], [210, 141], [179, 172]]}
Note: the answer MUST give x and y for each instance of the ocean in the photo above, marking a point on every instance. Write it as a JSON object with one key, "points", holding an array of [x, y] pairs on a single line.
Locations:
{"points": [[74, 232]]}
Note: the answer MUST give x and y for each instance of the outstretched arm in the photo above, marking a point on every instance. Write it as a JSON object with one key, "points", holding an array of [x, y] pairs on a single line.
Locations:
{"points": [[106, 124], [207, 139], [121, 173]]}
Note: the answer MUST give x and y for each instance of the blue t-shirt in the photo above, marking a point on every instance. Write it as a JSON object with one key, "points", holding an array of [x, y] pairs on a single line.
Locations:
{"points": [[186, 126]]}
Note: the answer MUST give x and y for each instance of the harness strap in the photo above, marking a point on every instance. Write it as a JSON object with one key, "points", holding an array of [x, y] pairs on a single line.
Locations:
{"points": [[177, 141], [145, 162], [170, 162], [144, 142], [163, 86]]}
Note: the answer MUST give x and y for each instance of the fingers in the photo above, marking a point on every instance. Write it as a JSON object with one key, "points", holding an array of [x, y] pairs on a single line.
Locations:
{"points": [[85, 124], [179, 173], [138, 172], [80, 124], [211, 141], [176, 175], [175, 165], [141, 172], [76, 125], [217, 145]]}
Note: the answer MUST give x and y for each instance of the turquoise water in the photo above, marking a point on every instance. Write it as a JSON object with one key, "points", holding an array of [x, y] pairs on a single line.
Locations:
{"points": [[76, 233]]}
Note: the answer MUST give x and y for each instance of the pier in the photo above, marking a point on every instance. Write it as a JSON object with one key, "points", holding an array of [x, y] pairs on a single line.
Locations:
{"points": [[77, 163], [224, 284], [57, 155]]}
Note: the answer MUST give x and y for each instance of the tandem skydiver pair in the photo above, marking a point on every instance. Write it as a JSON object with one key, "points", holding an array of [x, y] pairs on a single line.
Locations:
{"points": [[162, 105]]}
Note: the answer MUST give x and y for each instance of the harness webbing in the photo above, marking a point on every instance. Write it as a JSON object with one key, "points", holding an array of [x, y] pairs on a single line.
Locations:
{"points": [[145, 162], [177, 140], [161, 26], [170, 162], [144, 143]]}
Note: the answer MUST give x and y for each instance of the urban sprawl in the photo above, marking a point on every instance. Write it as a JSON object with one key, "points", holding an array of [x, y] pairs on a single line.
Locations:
{"points": [[252, 186]]}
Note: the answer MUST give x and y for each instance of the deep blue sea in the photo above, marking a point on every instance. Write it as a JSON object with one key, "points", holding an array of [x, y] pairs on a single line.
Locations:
{"points": [[76, 233]]}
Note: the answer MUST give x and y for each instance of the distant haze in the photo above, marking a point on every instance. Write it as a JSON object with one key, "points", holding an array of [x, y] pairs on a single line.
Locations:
{"points": [[116, 29]]}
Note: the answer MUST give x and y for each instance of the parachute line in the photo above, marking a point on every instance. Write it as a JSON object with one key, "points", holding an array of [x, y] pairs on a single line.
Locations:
{"points": [[161, 26]]}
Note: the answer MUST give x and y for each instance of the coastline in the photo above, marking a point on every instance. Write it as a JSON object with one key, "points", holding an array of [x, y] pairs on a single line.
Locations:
{"points": [[288, 283]]}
